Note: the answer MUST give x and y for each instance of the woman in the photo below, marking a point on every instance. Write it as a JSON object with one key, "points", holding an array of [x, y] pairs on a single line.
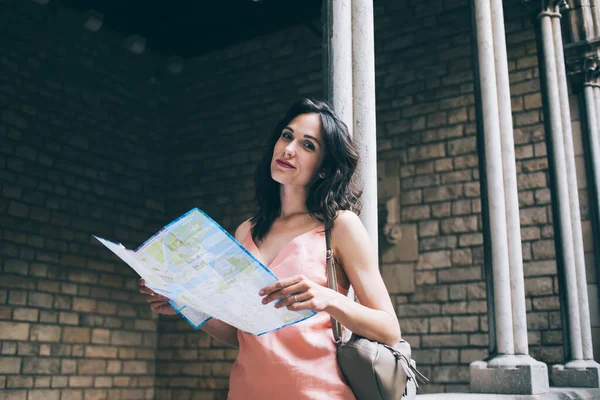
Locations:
{"points": [[303, 181]]}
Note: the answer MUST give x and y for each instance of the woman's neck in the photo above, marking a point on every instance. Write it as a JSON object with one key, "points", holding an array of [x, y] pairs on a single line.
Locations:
{"points": [[293, 201]]}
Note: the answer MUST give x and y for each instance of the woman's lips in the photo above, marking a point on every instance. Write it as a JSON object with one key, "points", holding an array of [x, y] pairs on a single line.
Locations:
{"points": [[284, 164]]}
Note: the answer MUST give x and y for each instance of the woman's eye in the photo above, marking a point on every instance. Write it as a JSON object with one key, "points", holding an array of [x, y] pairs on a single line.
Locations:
{"points": [[309, 145], [286, 135]]}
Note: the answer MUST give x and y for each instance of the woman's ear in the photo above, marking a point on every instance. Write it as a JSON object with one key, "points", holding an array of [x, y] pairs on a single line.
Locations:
{"points": [[322, 174]]}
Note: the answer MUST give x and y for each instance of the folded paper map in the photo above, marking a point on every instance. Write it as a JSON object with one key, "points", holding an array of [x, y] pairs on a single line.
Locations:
{"points": [[206, 273]]}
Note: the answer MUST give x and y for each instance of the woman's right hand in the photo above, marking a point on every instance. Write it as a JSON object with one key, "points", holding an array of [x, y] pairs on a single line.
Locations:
{"points": [[218, 329], [158, 303]]}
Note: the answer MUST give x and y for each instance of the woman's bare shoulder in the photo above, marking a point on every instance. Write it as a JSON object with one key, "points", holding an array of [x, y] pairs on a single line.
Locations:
{"points": [[348, 231], [242, 230], [346, 219]]}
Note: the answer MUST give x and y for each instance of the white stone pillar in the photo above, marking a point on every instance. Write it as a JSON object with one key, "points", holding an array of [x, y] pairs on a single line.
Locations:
{"points": [[586, 330], [593, 129], [597, 102], [495, 178], [595, 11], [338, 52], [363, 90], [513, 219], [587, 18], [596, 90], [576, 372], [581, 371], [555, 125], [504, 373]]}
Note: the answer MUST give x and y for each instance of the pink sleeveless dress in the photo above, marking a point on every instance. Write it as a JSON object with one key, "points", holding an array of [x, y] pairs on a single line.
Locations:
{"points": [[297, 362]]}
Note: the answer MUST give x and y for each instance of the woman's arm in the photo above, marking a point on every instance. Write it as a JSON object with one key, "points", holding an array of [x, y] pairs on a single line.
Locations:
{"points": [[375, 317], [221, 331], [215, 328]]}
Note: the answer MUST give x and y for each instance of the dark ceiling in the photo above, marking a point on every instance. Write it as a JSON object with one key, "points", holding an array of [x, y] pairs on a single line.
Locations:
{"points": [[191, 27]]}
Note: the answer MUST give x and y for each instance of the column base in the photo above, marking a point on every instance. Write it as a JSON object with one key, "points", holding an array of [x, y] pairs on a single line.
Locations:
{"points": [[508, 374], [577, 373]]}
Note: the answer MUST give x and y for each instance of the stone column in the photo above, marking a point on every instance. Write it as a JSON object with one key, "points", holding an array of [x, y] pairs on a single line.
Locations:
{"points": [[349, 54], [350, 87], [595, 8], [495, 184], [593, 133], [504, 373], [587, 18], [363, 90], [573, 189], [576, 372], [555, 127], [596, 89], [338, 57], [511, 194]]}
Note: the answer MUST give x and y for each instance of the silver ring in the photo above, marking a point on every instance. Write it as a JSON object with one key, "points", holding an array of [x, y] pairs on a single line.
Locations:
{"points": [[295, 299]]}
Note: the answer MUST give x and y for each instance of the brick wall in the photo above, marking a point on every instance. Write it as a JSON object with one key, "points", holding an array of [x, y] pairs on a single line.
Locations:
{"points": [[426, 119], [231, 101], [80, 154], [426, 125]]}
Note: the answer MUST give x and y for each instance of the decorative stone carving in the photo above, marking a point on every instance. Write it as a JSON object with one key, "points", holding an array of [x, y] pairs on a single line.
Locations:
{"points": [[583, 62], [537, 5], [391, 229], [398, 243], [405, 249], [388, 189]]}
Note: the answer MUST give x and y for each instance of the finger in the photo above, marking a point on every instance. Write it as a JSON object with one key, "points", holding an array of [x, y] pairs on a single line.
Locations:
{"points": [[142, 282], [280, 285], [293, 299], [301, 305], [280, 294], [161, 307], [167, 310], [157, 307], [155, 299], [146, 290]]}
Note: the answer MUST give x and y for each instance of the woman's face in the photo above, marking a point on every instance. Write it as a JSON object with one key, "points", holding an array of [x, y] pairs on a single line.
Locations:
{"points": [[299, 152]]}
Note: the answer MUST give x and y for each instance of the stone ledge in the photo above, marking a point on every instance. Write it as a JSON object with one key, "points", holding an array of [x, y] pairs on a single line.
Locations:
{"points": [[509, 375], [566, 376]]}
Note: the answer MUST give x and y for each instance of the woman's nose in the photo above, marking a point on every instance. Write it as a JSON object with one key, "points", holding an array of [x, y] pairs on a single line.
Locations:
{"points": [[291, 147]]}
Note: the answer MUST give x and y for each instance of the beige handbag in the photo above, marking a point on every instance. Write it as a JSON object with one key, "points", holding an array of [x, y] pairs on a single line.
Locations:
{"points": [[374, 371]]}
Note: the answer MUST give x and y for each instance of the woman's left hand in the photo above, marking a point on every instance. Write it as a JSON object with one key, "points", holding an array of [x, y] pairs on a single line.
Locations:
{"points": [[299, 293]]}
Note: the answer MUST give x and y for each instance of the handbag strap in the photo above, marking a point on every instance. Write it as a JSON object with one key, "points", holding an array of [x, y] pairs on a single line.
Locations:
{"points": [[332, 283], [411, 371]]}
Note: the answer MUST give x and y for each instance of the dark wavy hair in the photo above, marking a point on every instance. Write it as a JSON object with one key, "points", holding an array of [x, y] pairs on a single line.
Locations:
{"points": [[336, 191]]}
